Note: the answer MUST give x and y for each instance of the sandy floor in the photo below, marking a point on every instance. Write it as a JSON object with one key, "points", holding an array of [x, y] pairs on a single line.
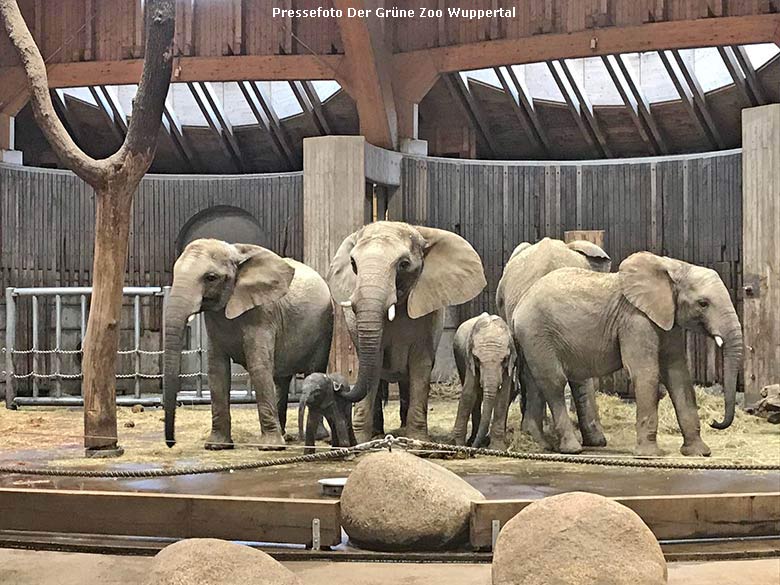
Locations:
{"points": [[53, 435], [51, 568]]}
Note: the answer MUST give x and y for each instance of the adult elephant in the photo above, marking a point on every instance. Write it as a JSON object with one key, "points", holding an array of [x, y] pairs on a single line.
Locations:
{"points": [[394, 281], [579, 324], [272, 315], [527, 264]]}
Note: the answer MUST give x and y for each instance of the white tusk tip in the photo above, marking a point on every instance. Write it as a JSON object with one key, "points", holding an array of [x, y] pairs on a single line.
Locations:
{"points": [[346, 304], [391, 313], [719, 340]]}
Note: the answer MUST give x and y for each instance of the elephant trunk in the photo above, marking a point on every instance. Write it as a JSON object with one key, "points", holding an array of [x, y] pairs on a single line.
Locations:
{"points": [[374, 295], [181, 304], [490, 388], [732, 361]]}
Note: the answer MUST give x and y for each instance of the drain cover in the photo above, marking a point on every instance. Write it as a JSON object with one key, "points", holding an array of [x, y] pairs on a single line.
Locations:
{"points": [[332, 486]]}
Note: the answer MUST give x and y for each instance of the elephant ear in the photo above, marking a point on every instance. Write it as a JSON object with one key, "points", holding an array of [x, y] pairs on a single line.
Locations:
{"points": [[598, 259], [452, 273], [262, 278], [646, 280], [341, 278], [519, 248]]}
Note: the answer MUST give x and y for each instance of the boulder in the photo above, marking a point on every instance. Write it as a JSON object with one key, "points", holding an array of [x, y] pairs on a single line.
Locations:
{"points": [[208, 561], [396, 501], [577, 538]]}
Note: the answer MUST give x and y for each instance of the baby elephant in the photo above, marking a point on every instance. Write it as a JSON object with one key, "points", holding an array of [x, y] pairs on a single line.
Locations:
{"points": [[485, 357], [328, 396]]}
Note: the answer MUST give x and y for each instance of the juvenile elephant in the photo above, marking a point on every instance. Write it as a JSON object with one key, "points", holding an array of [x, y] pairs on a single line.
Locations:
{"points": [[578, 324], [272, 315], [326, 395], [527, 264], [394, 281], [485, 357]]}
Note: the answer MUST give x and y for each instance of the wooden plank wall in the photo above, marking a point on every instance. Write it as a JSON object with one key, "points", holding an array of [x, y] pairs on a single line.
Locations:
{"points": [[46, 233], [687, 207]]}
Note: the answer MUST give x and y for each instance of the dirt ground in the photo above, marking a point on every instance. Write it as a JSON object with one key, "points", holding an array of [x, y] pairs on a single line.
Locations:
{"points": [[53, 436], [19, 567]]}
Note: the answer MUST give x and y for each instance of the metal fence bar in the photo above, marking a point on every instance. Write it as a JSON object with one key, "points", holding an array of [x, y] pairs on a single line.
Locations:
{"points": [[35, 344], [199, 341], [83, 303], [58, 345], [10, 342], [137, 344], [144, 291]]}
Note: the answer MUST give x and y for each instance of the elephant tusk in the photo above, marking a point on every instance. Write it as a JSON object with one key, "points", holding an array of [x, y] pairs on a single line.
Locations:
{"points": [[719, 340], [391, 312], [346, 304], [191, 317]]}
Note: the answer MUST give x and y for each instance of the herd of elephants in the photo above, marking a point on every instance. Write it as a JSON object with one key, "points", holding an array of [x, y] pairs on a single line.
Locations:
{"points": [[563, 318]]}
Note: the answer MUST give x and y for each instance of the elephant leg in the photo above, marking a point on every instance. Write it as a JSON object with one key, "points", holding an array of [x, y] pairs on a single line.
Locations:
{"points": [[338, 427], [219, 387], [420, 366], [346, 411], [677, 379], [313, 422], [584, 395], [466, 406], [548, 374], [282, 385], [403, 395], [642, 366], [270, 429], [378, 414], [476, 419], [535, 406], [363, 418]]}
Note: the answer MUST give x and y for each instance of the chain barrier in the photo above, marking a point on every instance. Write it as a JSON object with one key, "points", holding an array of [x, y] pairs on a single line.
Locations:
{"points": [[389, 442]]}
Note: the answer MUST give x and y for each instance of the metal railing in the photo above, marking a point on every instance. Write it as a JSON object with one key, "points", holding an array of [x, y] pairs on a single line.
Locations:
{"points": [[58, 376]]}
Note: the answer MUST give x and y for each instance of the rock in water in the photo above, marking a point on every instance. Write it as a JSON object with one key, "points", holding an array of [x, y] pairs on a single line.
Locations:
{"points": [[396, 501], [208, 561], [577, 538]]}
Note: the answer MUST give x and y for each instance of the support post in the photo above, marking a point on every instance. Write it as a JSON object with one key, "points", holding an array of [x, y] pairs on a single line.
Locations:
{"points": [[7, 152], [10, 343], [760, 248], [333, 207]]}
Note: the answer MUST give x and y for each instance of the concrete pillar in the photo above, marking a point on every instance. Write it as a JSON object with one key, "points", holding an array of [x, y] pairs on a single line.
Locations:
{"points": [[7, 152], [761, 248]]}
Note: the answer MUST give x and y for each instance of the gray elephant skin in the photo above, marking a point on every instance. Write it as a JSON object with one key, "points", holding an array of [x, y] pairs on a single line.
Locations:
{"points": [[527, 264], [485, 357], [394, 281], [326, 395], [575, 324], [272, 315]]}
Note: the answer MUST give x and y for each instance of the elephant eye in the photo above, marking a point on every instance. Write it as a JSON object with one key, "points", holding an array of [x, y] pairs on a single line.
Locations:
{"points": [[354, 266], [404, 264], [704, 303], [212, 276]]}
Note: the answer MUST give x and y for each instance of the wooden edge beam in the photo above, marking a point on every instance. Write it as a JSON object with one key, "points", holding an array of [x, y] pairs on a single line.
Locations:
{"points": [[512, 92], [65, 115], [266, 118], [631, 103], [737, 75], [668, 517], [173, 129], [699, 100], [751, 77], [207, 103], [169, 515], [556, 70], [460, 91], [308, 109], [110, 112], [643, 105], [316, 103], [586, 109]]}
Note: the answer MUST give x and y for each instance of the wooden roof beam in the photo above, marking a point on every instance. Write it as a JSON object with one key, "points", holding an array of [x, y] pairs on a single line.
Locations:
{"points": [[370, 63], [111, 110], [310, 104], [211, 108], [751, 77], [575, 106], [64, 114], [631, 103], [461, 93], [524, 109], [643, 105], [692, 96], [173, 129], [267, 118], [586, 108], [737, 75]]}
